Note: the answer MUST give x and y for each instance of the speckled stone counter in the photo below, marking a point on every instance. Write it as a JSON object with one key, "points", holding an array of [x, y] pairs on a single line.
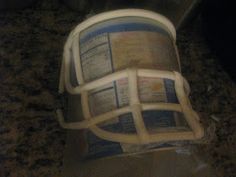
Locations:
{"points": [[31, 46]]}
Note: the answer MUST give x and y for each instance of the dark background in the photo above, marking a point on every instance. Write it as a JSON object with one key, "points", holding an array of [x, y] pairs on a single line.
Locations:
{"points": [[31, 46]]}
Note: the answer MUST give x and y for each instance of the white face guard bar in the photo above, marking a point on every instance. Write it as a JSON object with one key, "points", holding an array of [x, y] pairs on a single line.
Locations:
{"points": [[135, 106]]}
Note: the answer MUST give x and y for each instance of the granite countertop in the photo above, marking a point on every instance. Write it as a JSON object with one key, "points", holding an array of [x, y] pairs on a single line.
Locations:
{"points": [[31, 46]]}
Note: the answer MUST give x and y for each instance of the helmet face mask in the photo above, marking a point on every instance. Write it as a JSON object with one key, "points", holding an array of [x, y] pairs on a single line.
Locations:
{"points": [[131, 74]]}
